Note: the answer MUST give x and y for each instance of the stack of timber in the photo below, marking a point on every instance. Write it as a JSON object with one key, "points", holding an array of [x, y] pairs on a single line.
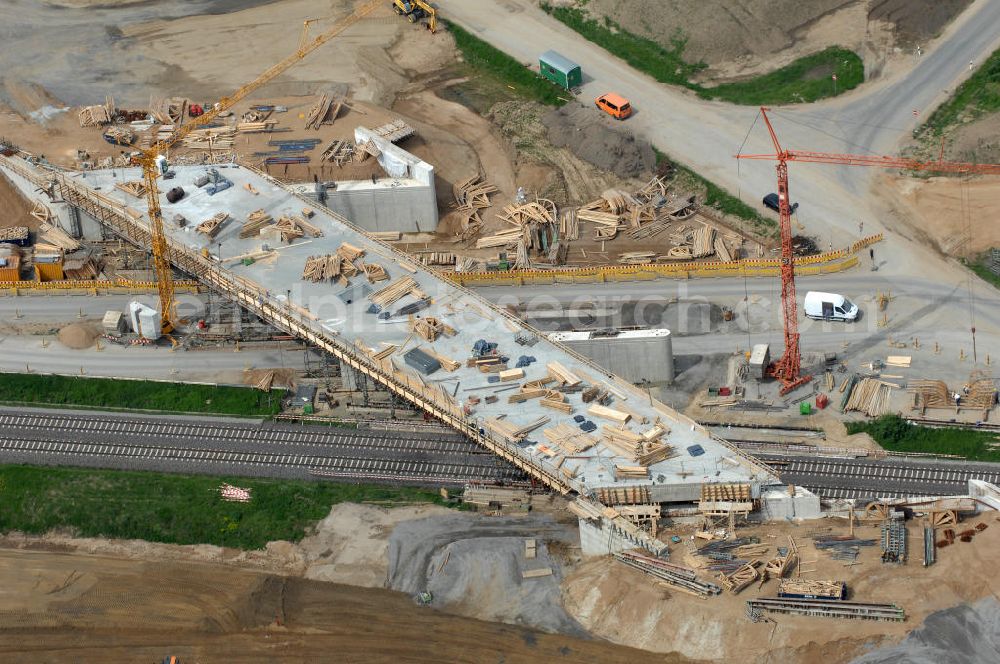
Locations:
{"points": [[394, 131], [554, 400], [374, 272], [397, 290], [80, 268], [211, 226], [675, 576], [53, 237], [473, 193], [569, 439], [618, 210], [97, 116], [328, 268], [901, 361], [869, 396], [741, 578], [430, 328], [339, 152], [119, 135], [703, 243], [255, 127], [169, 111], [644, 448], [447, 363], [569, 225], [211, 138], [812, 589], [324, 112], [265, 383], [510, 237], [15, 234], [562, 375], [135, 188], [255, 223], [623, 472], [438, 258], [511, 431]]}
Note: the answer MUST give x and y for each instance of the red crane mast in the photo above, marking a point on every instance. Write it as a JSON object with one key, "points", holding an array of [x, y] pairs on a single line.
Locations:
{"points": [[788, 369]]}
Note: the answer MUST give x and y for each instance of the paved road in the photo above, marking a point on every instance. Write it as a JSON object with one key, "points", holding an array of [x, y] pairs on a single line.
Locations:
{"points": [[219, 447], [706, 135]]}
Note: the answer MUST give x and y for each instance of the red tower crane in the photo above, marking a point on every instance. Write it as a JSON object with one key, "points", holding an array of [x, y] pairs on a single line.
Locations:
{"points": [[787, 370]]}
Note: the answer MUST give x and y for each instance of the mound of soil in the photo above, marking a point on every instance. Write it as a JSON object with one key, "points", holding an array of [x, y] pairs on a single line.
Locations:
{"points": [[587, 134], [78, 335]]}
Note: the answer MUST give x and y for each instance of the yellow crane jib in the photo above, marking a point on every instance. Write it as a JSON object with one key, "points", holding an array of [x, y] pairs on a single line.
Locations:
{"points": [[154, 164], [414, 10]]}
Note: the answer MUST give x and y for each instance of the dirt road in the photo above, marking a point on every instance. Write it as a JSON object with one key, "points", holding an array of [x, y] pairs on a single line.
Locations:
{"points": [[60, 607]]}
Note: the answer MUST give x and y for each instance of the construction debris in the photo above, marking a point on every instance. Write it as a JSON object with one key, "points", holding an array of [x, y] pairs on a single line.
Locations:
{"points": [[473, 193], [324, 112], [168, 111]]}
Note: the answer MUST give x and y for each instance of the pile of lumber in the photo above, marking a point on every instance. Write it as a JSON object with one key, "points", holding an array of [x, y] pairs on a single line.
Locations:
{"points": [[255, 127], [644, 448], [80, 268], [569, 439], [511, 431], [119, 135], [438, 258], [97, 116], [213, 225], [374, 272], [562, 375], [631, 472], [540, 211], [256, 221], [812, 588], [135, 188], [324, 112], [52, 235], [430, 328], [504, 238], [447, 363], [617, 210], [473, 193], [741, 578], [569, 225], [265, 383], [168, 110], [597, 410], [394, 131], [555, 400], [703, 242], [338, 152], [14, 234], [397, 290], [637, 257], [211, 138], [869, 396], [902, 361]]}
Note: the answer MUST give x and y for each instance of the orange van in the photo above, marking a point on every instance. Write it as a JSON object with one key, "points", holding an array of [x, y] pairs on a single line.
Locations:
{"points": [[614, 105]]}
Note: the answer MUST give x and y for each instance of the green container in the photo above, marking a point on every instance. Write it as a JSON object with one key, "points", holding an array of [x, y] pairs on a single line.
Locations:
{"points": [[713, 391], [805, 408], [562, 71], [308, 409], [248, 261]]}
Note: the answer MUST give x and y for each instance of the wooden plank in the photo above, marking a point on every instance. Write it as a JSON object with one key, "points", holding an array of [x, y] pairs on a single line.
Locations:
{"points": [[598, 410]]}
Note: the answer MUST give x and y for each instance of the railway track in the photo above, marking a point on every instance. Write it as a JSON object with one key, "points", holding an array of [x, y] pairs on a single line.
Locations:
{"points": [[862, 478], [247, 449]]}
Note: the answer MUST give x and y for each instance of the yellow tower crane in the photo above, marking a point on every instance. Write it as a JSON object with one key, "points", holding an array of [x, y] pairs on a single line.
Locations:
{"points": [[153, 165]]}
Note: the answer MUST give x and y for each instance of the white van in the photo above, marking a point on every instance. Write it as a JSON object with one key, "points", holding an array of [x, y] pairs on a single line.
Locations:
{"points": [[830, 306]]}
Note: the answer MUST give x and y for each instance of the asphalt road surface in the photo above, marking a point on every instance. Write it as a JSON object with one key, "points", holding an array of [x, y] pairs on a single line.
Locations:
{"points": [[873, 119]]}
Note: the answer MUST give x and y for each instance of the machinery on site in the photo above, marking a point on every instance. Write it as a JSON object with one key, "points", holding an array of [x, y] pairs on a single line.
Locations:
{"points": [[154, 164], [788, 369], [416, 10]]}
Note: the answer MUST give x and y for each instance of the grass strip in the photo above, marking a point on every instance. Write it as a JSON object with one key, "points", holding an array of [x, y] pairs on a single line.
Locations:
{"points": [[70, 391], [978, 95], [896, 434], [493, 62], [806, 79], [176, 509]]}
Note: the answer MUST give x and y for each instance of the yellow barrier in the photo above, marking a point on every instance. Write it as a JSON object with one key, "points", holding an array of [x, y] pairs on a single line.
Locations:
{"points": [[831, 261], [95, 287]]}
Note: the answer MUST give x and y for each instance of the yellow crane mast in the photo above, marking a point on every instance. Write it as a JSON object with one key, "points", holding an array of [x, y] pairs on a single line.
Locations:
{"points": [[152, 164]]}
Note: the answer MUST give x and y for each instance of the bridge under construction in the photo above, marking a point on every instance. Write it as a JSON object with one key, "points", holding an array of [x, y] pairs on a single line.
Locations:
{"points": [[557, 416]]}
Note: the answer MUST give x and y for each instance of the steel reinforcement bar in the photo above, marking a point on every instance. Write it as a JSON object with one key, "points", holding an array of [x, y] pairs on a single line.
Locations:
{"points": [[826, 608]]}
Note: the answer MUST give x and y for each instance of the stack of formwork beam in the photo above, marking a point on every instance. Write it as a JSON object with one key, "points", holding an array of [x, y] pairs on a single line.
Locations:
{"points": [[869, 396], [825, 608], [894, 541], [676, 576]]}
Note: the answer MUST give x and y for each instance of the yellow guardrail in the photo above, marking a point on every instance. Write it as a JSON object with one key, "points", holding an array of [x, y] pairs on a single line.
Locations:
{"points": [[94, 287], [827, 262]]}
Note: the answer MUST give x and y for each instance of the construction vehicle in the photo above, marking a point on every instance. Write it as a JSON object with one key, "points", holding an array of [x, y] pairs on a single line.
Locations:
{"points": [[787, 370], [154, 163], [416, 10]]}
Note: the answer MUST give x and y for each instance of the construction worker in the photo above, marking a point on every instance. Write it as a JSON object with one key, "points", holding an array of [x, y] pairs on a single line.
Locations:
{"points": [[871, 254]]}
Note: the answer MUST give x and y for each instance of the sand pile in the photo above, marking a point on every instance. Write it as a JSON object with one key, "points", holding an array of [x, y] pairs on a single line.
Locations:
{"points": [[585, 131], [78, 335]]}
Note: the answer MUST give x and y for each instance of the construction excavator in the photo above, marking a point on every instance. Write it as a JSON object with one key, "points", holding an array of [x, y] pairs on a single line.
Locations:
{"points": [[416, 10]]}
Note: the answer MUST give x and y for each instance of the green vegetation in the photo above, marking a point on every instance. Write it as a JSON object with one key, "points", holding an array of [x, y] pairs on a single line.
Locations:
{"points": [[110, 394], [896, 434], [720, 199], [492, 63], [805, 80], [666, 65], [177, 509], [980, 265], [978, 95]]}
